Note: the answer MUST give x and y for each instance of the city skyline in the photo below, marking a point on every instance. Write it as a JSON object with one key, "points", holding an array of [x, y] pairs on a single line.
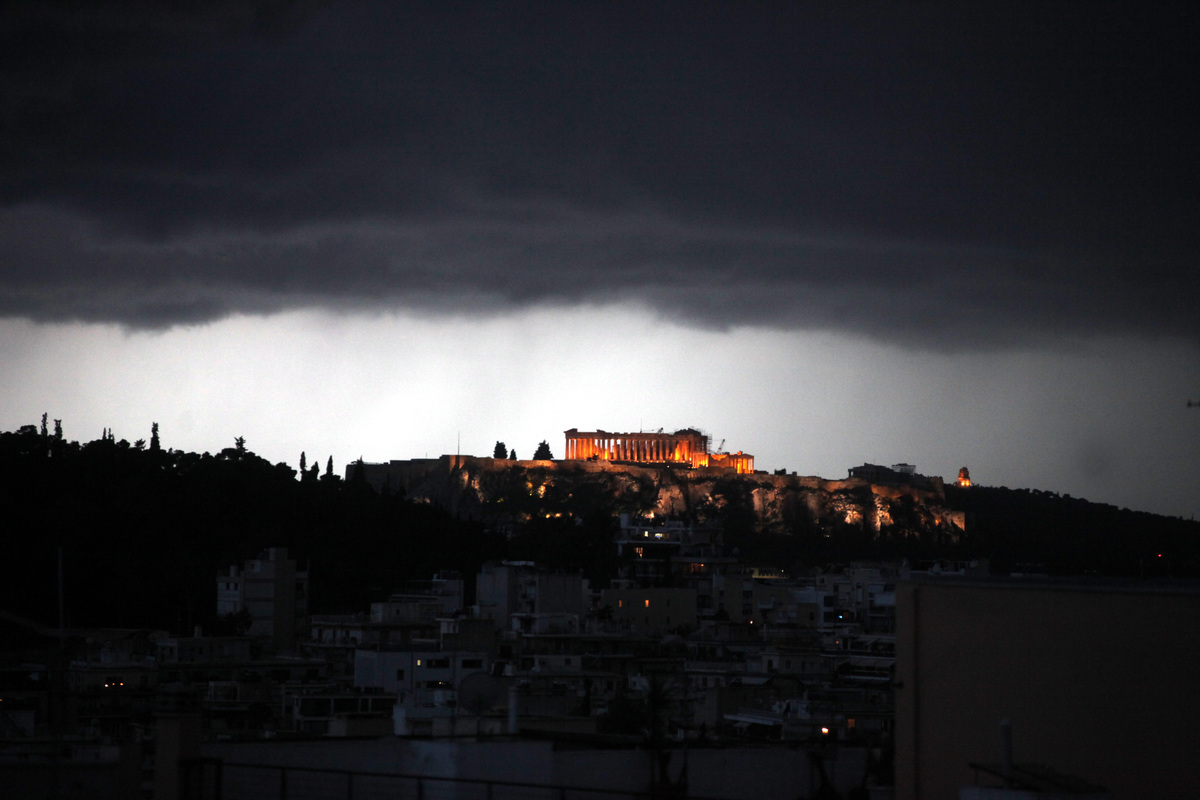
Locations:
{"points": [[928, 234]]}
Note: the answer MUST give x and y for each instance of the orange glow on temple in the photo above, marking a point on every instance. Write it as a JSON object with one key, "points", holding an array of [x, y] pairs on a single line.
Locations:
{"points": [[684, 448]]}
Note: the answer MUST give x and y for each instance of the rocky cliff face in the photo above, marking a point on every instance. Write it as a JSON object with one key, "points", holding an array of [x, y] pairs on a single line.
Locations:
{"points": [[504, 491]]}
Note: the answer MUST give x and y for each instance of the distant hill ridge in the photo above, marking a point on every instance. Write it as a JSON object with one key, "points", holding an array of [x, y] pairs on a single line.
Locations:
{"points": [[144, 530]]}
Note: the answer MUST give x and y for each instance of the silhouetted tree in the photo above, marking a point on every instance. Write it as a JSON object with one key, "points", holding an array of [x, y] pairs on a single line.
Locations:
{"points": [[233, 624], [240, 444], [500, 450], [543, 452], [303, 463], [512, 454], [329, 477], [155, 446]]}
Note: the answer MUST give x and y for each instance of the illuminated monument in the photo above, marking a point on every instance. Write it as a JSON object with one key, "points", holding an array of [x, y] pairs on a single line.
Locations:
{"points": [[684, 448]]}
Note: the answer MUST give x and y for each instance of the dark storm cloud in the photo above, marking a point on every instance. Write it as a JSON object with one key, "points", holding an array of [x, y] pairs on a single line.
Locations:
{"points": [[932, 174]]}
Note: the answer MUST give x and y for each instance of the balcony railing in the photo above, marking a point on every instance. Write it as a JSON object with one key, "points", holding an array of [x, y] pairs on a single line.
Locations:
{"points": [[213, 779]]}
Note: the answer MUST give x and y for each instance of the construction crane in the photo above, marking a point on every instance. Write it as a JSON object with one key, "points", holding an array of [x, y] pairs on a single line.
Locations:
{"points": [[721, 446]]}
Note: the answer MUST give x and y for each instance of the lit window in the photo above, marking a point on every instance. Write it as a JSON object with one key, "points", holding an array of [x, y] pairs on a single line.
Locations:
{"points": [[647, 602]]}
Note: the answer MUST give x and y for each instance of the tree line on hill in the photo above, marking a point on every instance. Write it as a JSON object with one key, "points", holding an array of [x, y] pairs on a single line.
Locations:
{"points": [[141, 532]]}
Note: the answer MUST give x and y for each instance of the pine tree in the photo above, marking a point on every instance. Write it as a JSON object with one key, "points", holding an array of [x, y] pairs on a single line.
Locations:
{"points": [[154, 444], [512, 454], [500, 451], [543, 452]]}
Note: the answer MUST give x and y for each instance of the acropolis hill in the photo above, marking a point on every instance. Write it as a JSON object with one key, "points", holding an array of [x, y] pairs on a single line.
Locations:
{"points": [[670, 476]]}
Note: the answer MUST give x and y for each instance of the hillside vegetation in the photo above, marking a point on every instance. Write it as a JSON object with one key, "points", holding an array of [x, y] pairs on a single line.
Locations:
{"points": [[142, 531]]}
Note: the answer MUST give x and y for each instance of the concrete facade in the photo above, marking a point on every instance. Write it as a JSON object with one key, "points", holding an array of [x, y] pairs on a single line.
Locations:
{"points": [[273, 591], [1099, 681]]}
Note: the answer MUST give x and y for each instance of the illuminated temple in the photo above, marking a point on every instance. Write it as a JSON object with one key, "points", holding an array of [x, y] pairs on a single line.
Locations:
{"points": [[684, 448]]}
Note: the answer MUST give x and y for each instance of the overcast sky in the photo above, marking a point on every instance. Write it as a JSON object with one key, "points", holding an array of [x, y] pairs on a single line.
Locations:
{"points": [[828, 233]]}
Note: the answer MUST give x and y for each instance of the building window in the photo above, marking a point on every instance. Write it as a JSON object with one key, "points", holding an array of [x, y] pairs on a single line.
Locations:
{"points": [[399, 674], [647, 602]]}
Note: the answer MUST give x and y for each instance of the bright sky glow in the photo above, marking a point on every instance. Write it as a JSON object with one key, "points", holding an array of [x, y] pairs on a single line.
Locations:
{"points": [[1100, 420]]}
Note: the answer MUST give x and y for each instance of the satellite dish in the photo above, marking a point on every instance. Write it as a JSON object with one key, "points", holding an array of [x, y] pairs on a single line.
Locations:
{"points": [[478, 692]]}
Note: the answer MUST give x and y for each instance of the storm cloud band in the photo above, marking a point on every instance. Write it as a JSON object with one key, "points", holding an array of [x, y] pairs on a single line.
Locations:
{"points": [[936, 176]]}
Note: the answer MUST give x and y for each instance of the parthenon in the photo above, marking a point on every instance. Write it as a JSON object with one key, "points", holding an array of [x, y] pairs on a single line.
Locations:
{"points": [[686, 448]]}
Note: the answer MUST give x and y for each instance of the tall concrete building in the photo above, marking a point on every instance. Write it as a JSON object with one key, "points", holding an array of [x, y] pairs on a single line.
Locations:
{"points": [[1097, 680], [272, 590]]}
